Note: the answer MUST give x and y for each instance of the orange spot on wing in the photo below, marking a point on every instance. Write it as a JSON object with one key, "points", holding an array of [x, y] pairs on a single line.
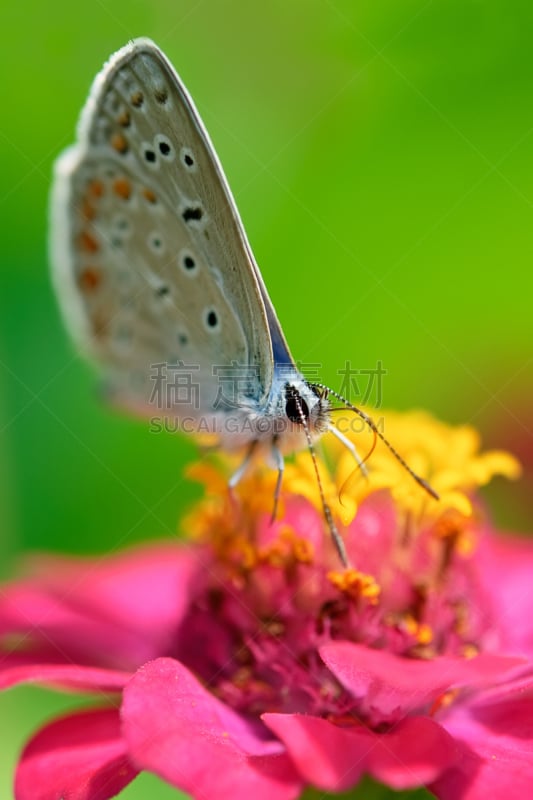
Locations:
{"points": [[88, 211], [149, 195], [88, 243], [90, 279], [119, 143], [124, 119], [137, 99], [96, 188], [122, 188]]}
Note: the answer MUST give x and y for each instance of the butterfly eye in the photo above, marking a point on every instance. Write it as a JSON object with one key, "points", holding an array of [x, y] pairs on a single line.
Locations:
{"points": [[296, 408]]}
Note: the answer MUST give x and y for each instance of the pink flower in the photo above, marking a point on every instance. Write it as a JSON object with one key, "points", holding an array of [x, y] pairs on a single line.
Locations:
{"points": [[248, 663]]}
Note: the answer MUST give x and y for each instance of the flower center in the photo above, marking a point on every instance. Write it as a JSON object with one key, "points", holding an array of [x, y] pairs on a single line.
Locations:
{"points": [[275, 593], [271, 600]]}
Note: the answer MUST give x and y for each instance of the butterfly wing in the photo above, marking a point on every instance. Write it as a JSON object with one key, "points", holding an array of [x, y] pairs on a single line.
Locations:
{"points": [[150, 260]]}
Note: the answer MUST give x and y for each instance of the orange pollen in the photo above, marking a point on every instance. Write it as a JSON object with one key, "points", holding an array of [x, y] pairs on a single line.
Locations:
{"points": [[242, 677], [137, 99], [455, 532], [420, 631], [470, 651], [122, 188], [356, 584], [275, 629], [119, 143], [88, 243], [424, 634], [303, 551], [462, 620], [450, 525], [235, 551], [90, 279], [248, 555], [410, 624], [444, 701], [287, 548]]}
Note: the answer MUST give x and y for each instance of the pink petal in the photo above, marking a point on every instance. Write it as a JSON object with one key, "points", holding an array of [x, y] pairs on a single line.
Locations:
{"points": [[174, 727], [53, 625], [142, 588], [505, 565], [393, 686], [16, 669], [334, 758], [117, 612], [518, 685], [370, 536], [78, 757], [496, 755]]}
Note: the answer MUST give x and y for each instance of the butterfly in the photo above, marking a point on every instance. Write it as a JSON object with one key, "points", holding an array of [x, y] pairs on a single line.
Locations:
{"points": [[156, 279]]}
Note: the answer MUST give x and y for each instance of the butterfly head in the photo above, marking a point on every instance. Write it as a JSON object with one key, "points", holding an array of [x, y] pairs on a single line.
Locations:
{"points": [[306, 406]]}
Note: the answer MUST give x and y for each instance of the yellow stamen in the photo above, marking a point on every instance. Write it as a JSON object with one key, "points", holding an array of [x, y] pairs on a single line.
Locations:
{"points": [[356, 584], [286, 548], [470, 651], [455, 531], [448, 457], [424, 634], [420, 631]]}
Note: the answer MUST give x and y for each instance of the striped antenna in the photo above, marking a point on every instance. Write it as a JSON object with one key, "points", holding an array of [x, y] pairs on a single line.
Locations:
{"points": [[374, 428]]}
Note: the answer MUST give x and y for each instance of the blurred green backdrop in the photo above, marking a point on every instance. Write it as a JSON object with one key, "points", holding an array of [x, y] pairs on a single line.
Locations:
{"points": [[382, 158]]}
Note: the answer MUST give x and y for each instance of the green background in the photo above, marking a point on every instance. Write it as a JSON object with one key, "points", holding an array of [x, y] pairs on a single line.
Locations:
{"points": [[381, 154]]}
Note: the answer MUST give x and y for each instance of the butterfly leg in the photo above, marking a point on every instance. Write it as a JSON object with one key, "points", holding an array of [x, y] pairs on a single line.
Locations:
{"points": [[239, 472], [351, 447], [280, 466]]}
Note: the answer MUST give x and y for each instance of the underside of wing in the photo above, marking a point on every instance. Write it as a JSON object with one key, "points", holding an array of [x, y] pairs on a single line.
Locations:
{"points": [[151, 263]]}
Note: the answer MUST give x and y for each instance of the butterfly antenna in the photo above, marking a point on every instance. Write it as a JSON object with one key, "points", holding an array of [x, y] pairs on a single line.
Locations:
{"points": [[367, 456], [335, 535], [374, 428]]}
